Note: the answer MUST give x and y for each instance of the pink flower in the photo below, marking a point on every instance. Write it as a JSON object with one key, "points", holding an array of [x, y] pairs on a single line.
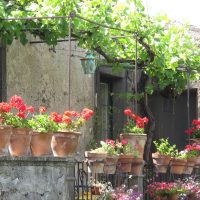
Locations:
{"points": [[110, 142], [124, 142], [127, 112]]}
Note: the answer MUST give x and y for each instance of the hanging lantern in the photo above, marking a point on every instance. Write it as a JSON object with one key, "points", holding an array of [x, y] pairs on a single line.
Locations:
{"points": [[89, 63]]}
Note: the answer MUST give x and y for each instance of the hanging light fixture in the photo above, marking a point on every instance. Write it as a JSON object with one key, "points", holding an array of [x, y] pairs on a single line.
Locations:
{"points": [[89, 63]]}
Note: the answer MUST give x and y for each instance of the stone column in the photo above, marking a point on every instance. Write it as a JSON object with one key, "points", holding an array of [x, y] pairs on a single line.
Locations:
{"points": [[36, 178]]}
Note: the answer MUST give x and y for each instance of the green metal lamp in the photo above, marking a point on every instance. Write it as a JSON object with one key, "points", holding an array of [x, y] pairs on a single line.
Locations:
{"points": [[89, 63]]}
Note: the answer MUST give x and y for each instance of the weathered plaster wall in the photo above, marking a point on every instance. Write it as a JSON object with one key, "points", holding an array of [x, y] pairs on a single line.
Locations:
{"points": [[34, 178], [40, 76]]}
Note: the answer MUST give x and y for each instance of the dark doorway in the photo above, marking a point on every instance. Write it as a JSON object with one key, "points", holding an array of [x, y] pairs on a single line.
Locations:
{"points": [[171, 116], [109, 118]]}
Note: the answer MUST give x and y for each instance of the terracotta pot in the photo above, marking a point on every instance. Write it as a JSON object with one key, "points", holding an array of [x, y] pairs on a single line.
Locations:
{"points": [[124, 163], [189, 166], [95, 161], [137, 166], [41, 144], [110, 164], [20, 142], [5, 133], [137, 140], [177, 165], [197, 162], [64, 143], [95, 190], [161, 162], [172, 197]]}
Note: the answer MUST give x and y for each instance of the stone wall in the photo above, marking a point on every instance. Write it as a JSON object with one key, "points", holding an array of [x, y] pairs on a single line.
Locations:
{"points": [[40, 75], [36, 178]]}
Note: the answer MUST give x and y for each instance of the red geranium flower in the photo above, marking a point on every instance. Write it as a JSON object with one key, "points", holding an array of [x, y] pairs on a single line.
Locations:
{"points": [[16, 101], [21, 114], [42, 109], [30, 109], [127, 112], [4, 107]]}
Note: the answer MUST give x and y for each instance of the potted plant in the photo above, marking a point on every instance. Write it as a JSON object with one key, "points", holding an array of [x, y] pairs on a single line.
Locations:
{"points": [[191, 152], [162, 156], [109, 146], [194, 131], [127, 153], [178, 162], [65, 141], [21, 130], [43, 128], [190, 188], [96, 160], [164, 190], [5, 130], [195, 147], [133, 130]]}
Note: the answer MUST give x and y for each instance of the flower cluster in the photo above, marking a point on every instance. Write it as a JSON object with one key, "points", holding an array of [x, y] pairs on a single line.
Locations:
{"points": [[190, 188], [134, 123], [194, 131], [71, 120], [122, 193], [192, 150], [107, 191], [109, 146], [112, 147], [15, 112], [42, 122], [160, 189]]}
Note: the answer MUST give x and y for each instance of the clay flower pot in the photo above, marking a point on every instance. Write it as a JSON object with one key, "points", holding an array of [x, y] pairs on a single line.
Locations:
{"points": [[161, 162], [95, 161], [110, 164], [20, 142], [137, 166], [177, 165], [189, 165], [5, 133], [137, 141], [124, 163], [64, 143], [41, 144]]}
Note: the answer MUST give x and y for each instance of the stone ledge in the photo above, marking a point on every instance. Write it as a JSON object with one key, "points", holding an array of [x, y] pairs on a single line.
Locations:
{"points": [[37, 161]]}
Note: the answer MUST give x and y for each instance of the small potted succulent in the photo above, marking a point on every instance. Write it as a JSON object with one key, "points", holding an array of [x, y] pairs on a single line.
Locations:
{"points": [[133, 130], [43, 128], [162, 156]]}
